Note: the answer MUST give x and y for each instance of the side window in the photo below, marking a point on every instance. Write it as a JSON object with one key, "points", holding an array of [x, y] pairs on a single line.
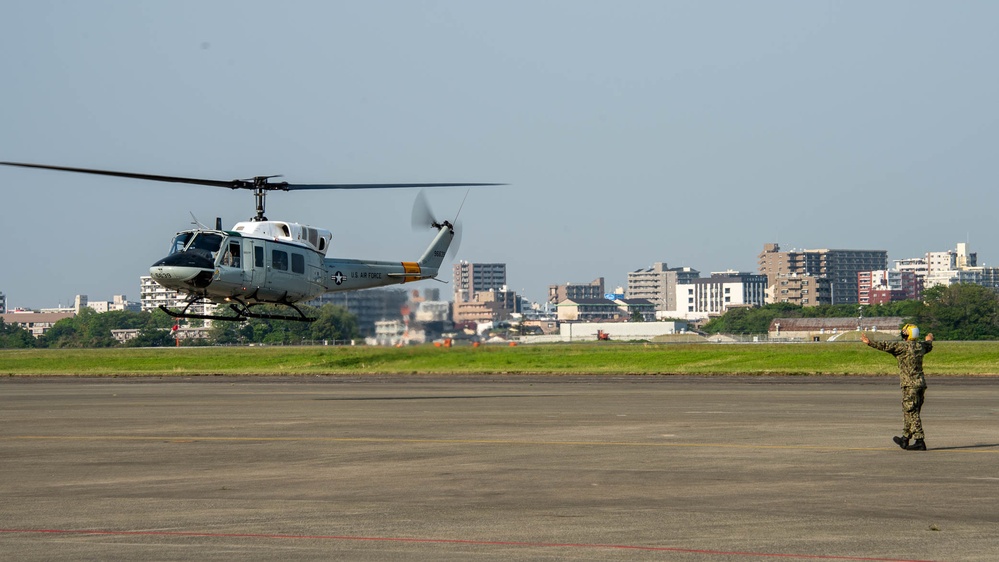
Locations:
{"points": [[279, 260], [297, 263], [258, 256], [234, 255]]}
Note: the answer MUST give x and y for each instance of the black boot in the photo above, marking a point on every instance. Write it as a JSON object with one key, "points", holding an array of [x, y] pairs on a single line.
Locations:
{"points": [[917, 446], [901, 442]]}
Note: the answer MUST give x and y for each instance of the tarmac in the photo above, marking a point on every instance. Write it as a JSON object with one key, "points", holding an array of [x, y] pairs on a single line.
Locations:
{"points": [[379, 468]]}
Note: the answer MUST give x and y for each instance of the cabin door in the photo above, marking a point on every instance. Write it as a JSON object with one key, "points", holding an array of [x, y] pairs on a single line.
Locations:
{"points": [[254, 270]]}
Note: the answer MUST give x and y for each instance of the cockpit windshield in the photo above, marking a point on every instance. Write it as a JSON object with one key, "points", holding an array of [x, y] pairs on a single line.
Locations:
{"points": [[206, 241], [180, 241]]}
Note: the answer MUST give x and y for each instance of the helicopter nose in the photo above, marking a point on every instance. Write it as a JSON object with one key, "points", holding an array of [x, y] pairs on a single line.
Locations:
{"points": [[183, 270]]}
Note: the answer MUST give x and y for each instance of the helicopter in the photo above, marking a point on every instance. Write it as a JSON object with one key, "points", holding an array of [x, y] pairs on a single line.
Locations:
{"points": [[264, 262]]}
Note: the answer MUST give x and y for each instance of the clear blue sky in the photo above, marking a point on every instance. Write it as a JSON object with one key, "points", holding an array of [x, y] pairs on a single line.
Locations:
{"points": [[629, 132]]}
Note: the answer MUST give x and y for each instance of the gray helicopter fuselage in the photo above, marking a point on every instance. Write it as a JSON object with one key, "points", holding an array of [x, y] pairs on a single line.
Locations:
{"points": [[278, 262]]}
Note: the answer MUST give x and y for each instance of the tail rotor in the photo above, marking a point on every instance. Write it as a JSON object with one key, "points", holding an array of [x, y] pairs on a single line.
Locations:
{"points": [[424, 217]]}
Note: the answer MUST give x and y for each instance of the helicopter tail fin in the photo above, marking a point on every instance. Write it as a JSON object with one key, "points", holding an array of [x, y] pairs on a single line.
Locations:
{"points": [[432, 259]]}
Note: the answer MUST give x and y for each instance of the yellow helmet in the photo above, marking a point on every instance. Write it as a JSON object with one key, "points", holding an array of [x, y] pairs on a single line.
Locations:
{"points": [[910, 332]]}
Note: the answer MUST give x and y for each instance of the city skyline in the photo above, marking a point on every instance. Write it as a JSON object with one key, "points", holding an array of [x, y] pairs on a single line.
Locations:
{"points": [[629, 134], [421, 286]]}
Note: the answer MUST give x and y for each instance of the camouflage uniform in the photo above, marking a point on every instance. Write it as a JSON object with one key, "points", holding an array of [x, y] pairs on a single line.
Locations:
{"points": [[910, 365]]}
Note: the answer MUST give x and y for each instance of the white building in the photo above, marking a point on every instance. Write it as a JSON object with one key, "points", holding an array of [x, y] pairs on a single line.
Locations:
{"points": [[918, 266], [152, 295], [118, 303], [433, 311], [620, 331], [958, 266], [396, 333], [702, 298]]}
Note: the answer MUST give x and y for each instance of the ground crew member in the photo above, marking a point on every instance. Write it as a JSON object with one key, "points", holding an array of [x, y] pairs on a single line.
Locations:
{"points": [[909, 352]]}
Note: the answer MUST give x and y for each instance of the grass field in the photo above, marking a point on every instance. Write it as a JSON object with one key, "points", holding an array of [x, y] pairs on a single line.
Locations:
{"points": [[947, 358]]}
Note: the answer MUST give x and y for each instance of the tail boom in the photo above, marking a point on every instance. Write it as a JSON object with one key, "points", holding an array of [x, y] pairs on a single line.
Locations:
{"points": [[351, 275]]}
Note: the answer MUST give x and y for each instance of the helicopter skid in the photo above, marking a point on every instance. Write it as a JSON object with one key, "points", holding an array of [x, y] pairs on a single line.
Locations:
{"points": [[182, 314], [242, 311]]}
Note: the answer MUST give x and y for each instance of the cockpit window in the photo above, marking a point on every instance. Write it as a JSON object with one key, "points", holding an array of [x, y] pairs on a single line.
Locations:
{"points": [[180, 241], [207, 241], [206, 244]]}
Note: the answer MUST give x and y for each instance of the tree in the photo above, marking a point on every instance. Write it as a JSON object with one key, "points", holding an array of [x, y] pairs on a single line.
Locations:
{"points": [[751, 320], [962, 311], [334, 323], [13, 336], [152, 336]]}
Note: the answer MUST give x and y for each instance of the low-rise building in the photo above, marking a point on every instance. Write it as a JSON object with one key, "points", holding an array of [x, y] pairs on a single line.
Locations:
{"points": [[590, 310], [621, 331], [36, 322], [632, 308], [181, 333], [828, 329], [486, 306]]}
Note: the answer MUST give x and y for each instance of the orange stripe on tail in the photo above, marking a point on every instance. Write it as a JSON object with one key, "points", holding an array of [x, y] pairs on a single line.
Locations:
{"points": [[411, 267]]}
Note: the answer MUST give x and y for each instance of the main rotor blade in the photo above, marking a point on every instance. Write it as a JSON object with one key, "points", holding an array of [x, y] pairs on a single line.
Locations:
{"points": [[232, 184], [292, 186], [258, 182]]}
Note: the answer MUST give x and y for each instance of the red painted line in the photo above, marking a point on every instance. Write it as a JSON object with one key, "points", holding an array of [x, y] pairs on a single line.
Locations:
{"points": [[450, 541]]}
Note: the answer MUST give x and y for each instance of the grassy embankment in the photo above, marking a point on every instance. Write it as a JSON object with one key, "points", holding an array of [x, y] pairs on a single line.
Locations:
{"points": [[948, 358]]}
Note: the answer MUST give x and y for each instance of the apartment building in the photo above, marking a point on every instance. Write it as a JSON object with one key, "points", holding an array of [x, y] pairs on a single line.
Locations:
{"points": [[840, 267], [591, 290], [658, 283], [486, 306], [802, 290], [712, 296], [481, 294], [471, 278], [879, 287]]}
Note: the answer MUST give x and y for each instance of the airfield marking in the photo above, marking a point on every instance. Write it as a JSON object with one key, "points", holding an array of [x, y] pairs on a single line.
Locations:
{"points": [[194, 439], [416, 540]]}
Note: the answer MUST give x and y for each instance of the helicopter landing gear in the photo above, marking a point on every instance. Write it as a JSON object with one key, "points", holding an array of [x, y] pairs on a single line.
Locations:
{"points": [[241, 309], [244, 311]]}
